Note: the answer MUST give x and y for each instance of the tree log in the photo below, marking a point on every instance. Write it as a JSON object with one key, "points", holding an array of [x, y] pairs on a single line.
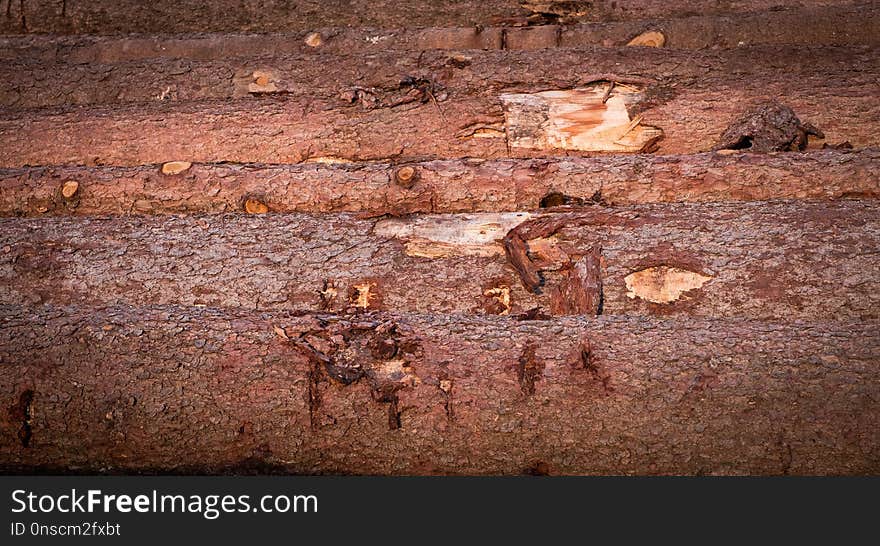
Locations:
{"points": [[175, 389], [31, 81], [781, 260], [818, 26], [443, 186], [409, 121], [133, 16]]}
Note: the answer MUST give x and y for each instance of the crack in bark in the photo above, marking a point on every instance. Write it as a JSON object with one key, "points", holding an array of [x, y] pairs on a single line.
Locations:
{"points": [[23, 412], [529, 370], [587, 361], [445, 386]]}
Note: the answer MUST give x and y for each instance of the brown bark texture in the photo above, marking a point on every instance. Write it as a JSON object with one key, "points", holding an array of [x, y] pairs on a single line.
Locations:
{"points": [[440, 237], [816, 26], [134, 16], [443, 186], [32, 82], [177, 389], [420, 117], [791, 260]]}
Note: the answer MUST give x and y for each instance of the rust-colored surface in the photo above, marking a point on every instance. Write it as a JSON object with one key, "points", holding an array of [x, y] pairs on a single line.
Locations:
{"points": [[785, 260], [455, 118], [30, 80], [446, 185], [440, 237], [133, 16], [435, 394]]}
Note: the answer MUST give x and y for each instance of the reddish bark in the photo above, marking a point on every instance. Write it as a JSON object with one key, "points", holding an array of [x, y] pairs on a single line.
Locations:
{"points": [[134, 16], [443, 186], [722, 320], [783, 260], [174, 389], [290, 130], [32, 81], [819, 26]]}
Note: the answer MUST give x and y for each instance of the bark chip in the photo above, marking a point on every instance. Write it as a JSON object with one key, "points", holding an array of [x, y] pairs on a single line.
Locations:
{"points": [[769, 127]]}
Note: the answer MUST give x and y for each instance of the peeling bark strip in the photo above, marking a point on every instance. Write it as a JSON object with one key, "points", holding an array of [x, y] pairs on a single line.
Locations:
{"points": [[225, 392], [310, 127], [444, 186], [580, 292], [815, 259], [687, 24]]}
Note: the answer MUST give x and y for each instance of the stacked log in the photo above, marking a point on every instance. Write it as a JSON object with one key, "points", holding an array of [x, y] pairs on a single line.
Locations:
{"points": [[444, 238]]}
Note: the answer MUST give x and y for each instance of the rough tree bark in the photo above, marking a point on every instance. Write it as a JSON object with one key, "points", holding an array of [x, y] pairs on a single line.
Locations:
{"points": [[34, 82], [421, 264], [785, 260], [443, 186], [134, 16], [796, 26], [93, 389], [285, 129]]}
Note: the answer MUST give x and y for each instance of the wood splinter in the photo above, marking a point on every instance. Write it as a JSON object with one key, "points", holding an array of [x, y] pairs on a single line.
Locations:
{"points": [[516, 245]]}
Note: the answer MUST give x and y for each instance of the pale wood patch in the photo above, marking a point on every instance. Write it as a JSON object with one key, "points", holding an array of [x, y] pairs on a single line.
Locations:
{"points": [[172, 168], [69, 188], [662, 284], [452, 235], [577, 119], [651, 38]]}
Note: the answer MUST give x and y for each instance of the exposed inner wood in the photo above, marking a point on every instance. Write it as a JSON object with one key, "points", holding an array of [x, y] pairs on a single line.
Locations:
{"points": [[69, 189], [651, 38], [662, 284], [175, 167], [463, 235], [593, 119]]}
